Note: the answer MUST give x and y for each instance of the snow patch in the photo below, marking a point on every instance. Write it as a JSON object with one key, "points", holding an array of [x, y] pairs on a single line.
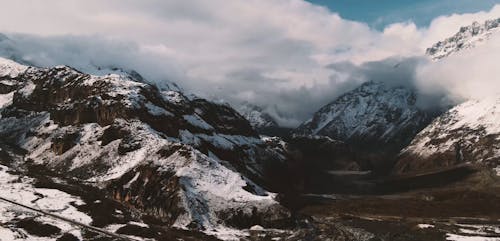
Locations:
{"points": [[456, 237], [156, 110], [10, 68], [197, 121], [27, 89], [6, 99], [423, 226]]}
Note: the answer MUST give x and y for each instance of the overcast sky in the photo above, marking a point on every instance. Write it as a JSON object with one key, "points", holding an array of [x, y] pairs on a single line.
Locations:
{"points": [[289, 56]]}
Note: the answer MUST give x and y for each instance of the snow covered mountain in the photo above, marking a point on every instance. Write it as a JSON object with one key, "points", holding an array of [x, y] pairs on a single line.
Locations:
{"points": [[467, 133], [374, 116], [468, 37], [257, 117], [470, 132], [186, 161]]}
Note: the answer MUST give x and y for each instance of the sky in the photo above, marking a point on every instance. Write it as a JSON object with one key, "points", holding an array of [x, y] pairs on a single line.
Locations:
{"points": [[288, 56], [380, 13]]}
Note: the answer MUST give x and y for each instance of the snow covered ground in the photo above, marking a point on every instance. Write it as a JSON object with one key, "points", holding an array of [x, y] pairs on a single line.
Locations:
{"points": [[468, 232], [21, 190], [456, 237]]}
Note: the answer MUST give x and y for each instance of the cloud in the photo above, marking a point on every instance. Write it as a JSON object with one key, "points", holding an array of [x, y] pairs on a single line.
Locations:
{"points": [[472, 74], [289, 56]]}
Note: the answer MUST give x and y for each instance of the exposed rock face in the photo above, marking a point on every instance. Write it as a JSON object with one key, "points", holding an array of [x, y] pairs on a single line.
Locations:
{"points": [[187, 161], [467, 37], [373, 118], [72, 97], [64, 142], [470, 132]]}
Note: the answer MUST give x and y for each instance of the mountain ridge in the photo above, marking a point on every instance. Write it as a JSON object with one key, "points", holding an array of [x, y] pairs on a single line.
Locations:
{"points": [[466, 38], [117, 132]]}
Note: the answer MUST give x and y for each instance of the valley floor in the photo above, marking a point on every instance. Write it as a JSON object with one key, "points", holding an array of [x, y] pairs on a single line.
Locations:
{"points": [[466, 210]]}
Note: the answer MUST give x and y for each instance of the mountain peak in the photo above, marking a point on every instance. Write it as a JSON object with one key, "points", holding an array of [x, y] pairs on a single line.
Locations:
{"points": [[372, 115], [257, 116]]}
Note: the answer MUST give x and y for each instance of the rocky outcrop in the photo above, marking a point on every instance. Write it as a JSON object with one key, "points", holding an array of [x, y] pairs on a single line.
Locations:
{"points": [[64, 142], [153, 192]]}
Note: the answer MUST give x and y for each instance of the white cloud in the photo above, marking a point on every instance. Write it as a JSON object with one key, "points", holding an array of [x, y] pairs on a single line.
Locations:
{"points": [[261, 51], [474, 73]]}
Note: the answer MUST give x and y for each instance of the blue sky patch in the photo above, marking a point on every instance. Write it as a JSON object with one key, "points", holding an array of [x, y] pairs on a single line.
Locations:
{"points": [[380, 13]]}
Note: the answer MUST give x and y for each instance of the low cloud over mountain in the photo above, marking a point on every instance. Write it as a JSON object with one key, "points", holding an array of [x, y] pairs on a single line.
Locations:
{"points": [[291, 59]]}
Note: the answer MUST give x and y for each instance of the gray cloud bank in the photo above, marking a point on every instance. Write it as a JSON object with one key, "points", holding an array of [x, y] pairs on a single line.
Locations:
{"points": [[288, 56]]}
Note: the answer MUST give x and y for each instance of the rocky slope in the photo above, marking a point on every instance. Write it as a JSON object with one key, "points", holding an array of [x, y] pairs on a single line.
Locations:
{"points": [[373, 117], [468, 37], [188, 162], [470, 132]]}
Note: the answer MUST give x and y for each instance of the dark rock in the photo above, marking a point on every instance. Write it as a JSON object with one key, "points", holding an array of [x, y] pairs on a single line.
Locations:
{"points": [[136, 231], [64, 142], [128, 144], [37, 228], [67, 237]]}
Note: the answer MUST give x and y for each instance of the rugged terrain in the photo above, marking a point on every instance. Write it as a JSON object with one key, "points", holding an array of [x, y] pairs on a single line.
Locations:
{"points": [[175, 158]]}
